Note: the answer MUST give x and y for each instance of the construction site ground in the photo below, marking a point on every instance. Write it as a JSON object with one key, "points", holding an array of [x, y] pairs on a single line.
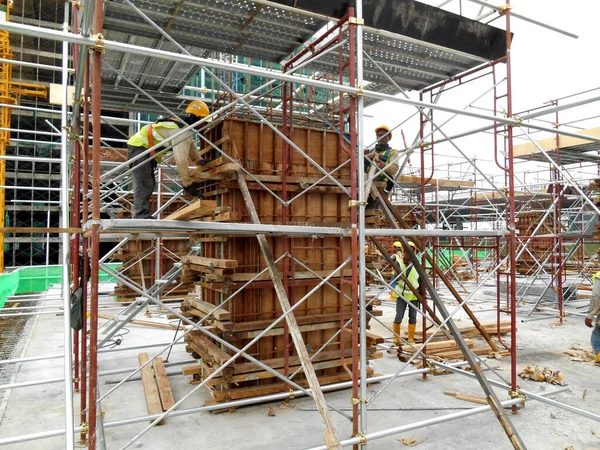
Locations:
{"points": [[409, 399]]}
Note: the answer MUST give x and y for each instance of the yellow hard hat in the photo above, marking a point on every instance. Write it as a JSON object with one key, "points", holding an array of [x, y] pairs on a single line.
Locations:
{"points": [[397, 244], [412, 244], [197, 108], [386, 128]]}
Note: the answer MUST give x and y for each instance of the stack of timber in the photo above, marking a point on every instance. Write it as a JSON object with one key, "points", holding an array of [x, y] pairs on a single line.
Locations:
{"points": [[468, 331], [229, 262], [139, 262]]}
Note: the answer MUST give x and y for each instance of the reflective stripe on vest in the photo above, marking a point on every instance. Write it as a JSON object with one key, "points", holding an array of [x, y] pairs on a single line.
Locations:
{"points": [[140, 139], [401, 289]]}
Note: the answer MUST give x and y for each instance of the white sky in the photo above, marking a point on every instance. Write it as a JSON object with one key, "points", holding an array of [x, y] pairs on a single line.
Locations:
{"points": [[545, 66]]}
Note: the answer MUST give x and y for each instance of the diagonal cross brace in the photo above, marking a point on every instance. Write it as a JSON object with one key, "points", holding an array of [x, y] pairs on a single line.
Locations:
{"points": [[331, 438]]}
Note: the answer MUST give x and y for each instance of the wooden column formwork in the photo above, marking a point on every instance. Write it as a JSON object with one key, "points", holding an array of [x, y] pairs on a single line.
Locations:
{"points": [[231, 261]]}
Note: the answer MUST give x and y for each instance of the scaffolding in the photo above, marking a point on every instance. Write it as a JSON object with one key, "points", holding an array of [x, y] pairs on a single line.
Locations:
{"points": [[137, 57]]}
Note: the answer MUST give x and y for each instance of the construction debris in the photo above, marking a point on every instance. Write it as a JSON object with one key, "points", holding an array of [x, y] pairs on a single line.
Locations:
{"points": [[545, 374]]}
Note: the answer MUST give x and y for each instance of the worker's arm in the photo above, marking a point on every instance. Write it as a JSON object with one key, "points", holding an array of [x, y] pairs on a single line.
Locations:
{"points": [[594, 306], [182, 153], [392, 168]]}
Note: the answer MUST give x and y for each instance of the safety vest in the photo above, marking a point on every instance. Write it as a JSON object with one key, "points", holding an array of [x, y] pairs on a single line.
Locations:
{"points": [[384, 158], [401, 289], [149, 135], [596, 276]]}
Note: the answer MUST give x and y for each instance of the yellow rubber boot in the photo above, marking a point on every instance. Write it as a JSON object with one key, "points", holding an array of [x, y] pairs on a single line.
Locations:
{"points": [[396, 328], [412, 327], [598, 358]]}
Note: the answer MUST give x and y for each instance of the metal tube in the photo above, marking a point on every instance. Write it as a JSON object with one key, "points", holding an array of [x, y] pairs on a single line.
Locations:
{"points": [[219, 406], [65, 248], [251, 70]]}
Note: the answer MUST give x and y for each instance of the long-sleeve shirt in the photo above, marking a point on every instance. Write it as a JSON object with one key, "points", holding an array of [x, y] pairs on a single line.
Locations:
{"points": [[183, 150]]}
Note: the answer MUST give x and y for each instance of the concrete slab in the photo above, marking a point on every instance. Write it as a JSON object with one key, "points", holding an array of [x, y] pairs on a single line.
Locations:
{"points": [[406, 400]]}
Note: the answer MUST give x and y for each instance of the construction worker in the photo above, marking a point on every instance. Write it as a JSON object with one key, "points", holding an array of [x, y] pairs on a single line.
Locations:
{"points": [[382, 154], [184, 148], [594, 310], [402, 294]]}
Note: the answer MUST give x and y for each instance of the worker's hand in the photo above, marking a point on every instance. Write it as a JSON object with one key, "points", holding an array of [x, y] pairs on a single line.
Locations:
{"points": [[588, 322], [369, 155]]}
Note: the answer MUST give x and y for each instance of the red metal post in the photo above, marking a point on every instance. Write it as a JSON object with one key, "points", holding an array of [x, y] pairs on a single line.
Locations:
{"points": [[511, 218], [96, 72]]}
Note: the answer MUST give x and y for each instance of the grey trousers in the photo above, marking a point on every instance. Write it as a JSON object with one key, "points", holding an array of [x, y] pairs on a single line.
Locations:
{"points": [[143, 184], [401, 306]]}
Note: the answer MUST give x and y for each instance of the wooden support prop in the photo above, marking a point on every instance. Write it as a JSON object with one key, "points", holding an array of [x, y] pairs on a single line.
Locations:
{"points": [[150, 391], [331, 439], [162, 380]]}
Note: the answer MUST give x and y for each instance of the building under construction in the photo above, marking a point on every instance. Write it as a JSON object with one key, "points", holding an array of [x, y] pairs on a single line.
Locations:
{"points": [[260, 297]]}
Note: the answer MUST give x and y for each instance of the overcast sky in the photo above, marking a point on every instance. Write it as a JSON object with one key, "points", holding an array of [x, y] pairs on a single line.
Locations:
{"points": [[546, 66]]}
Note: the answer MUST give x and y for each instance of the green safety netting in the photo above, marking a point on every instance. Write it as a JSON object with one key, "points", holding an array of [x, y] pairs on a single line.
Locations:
{"points": [[36, 279]]}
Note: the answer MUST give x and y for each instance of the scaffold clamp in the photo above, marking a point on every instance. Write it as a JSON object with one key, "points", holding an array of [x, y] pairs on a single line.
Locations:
{"points": [[356, 203], [356, 21], [291, 396], [363, 439], [99, 43], [358, 401], [517, 394], [503, 9]]}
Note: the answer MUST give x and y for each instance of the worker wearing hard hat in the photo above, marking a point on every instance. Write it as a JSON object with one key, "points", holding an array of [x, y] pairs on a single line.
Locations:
{"points": [[402, 294], [383, 156], [592, 318], [184, 148]]}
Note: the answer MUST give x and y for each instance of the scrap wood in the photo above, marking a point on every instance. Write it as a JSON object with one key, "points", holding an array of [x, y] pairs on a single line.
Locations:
{"points": [[467, 397], [410, 442], [545, 374]]}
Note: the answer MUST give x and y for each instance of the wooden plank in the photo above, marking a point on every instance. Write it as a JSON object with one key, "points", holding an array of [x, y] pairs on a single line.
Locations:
{"points": [[272, 388], [221, 314], [265, 374], [197, 209], [205, 269], [153, 404], [164, 388], [301, 320], [208, 148], [330, 434], [226, 168], [279, 331], [215, 353], [202, 261], [530, 148], [224, 217], [199, 237], [467, 397]]}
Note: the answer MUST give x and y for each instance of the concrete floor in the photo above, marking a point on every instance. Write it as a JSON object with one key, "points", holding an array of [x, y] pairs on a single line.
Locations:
{"points": [[40, 408]]}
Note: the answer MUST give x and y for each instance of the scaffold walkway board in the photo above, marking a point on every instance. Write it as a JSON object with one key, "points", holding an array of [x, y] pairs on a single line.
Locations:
{"points": [[572, 150]]}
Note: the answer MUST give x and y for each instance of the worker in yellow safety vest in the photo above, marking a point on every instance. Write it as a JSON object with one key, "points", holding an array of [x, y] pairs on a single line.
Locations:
{"points": [[383, 157], [184, 148], [592, 319], [402, 294]]}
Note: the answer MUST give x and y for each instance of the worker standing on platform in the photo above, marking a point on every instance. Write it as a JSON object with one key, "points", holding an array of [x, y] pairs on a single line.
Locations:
{"points": [[402, 294], [594, 310], [381, 155], [184, 148]]}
